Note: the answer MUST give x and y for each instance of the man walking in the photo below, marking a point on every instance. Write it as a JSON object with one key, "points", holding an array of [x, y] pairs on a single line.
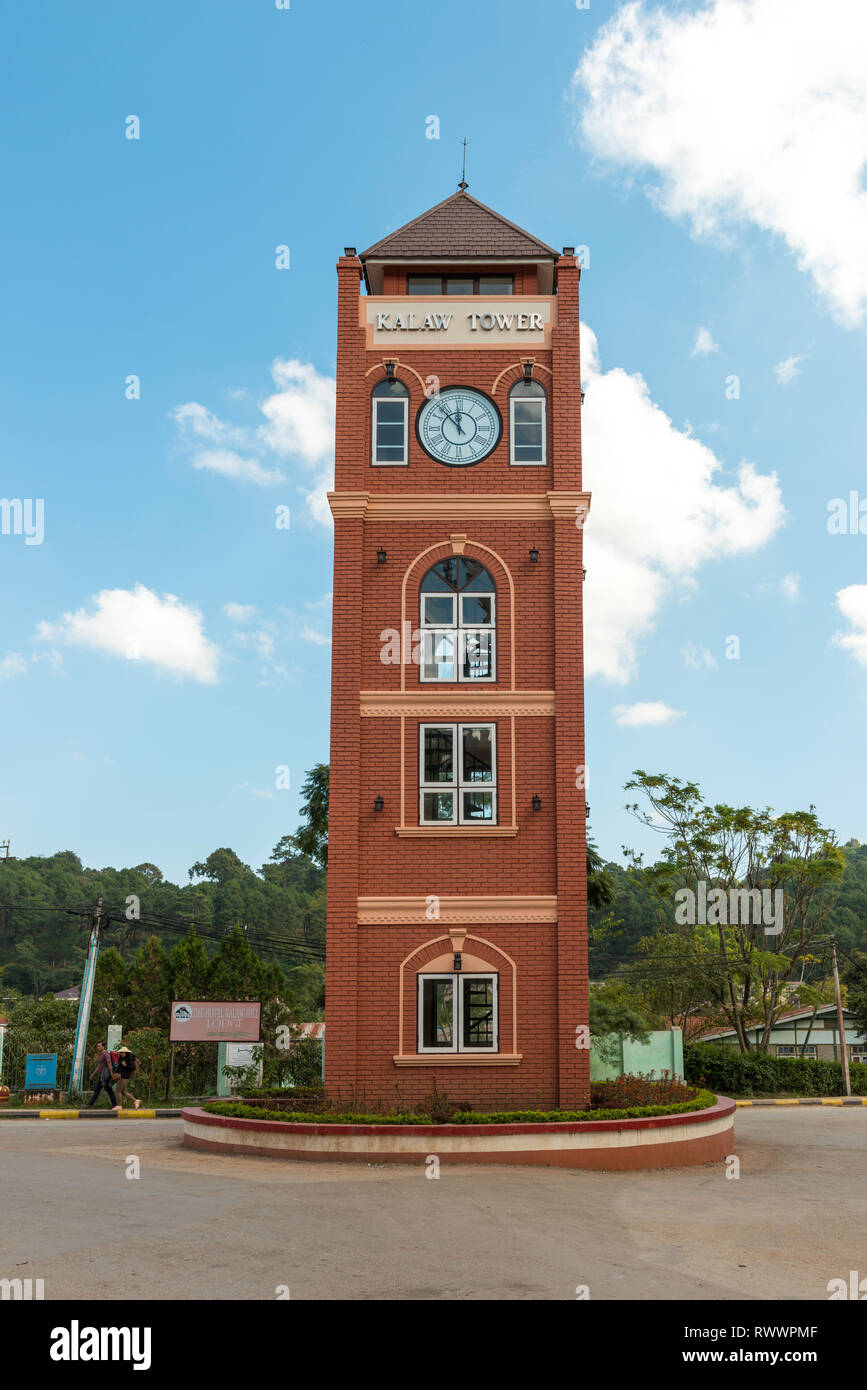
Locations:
{"points": [[127, 1066], [104, 1077]]}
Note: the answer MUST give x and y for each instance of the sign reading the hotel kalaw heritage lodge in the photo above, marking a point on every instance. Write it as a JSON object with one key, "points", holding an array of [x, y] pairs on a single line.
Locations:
{"points": [[198, 1020], [458, 321]]}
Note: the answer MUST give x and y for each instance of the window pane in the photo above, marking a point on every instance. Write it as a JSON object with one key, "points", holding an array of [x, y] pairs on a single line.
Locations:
{"points": [[390, 431], [459, 286], [476, 610], [437, 1005], [528, 429], [438, 610], [438, 656], [438, 806], [478, 655], [442, 577], [478, 1012], [492, 284], [478, 746], [478, 805], [474, 578], [438, 755], [424, 284]]}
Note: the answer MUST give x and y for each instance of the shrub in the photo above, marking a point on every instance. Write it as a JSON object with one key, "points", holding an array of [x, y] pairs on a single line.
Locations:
{"points": [[701, 1100], [624, 1091], [721, 1066]]}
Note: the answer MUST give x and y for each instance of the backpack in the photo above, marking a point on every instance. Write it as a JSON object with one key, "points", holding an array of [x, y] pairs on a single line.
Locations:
{"points": [[113, 1060]]}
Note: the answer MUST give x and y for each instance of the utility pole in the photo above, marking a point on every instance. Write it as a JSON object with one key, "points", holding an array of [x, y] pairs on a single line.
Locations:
{"points": [[79, 1047], [844, 1051]]}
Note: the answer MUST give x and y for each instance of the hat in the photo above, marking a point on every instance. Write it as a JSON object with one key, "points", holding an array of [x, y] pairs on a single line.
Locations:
{"points": [[123, 1049]]}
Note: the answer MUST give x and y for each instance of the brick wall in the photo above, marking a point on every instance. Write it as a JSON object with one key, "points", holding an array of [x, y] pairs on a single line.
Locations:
{"points": [[547, 856]]}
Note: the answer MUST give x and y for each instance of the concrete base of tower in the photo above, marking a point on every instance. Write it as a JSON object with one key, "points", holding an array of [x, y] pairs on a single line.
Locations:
{"points": [[667, 1141]]}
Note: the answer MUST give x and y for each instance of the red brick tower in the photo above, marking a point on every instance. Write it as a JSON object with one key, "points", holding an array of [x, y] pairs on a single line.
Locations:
{"points": [[457, 901]]}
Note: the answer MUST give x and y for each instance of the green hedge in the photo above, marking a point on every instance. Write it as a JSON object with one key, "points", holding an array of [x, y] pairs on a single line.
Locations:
{"points": [[236, 1111], [722, 1067]]}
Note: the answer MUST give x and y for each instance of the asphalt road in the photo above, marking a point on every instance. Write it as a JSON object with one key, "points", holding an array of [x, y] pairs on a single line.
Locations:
{"points": [[198, 1225]]}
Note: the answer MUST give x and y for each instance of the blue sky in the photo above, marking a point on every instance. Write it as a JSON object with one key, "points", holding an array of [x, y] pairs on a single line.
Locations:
{"points": [[139, 727]]}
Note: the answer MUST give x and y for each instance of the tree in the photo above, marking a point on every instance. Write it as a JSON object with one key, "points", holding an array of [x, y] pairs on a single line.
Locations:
{"points": [[727, 858], [311, 837], [190, 967], [150, 987]]}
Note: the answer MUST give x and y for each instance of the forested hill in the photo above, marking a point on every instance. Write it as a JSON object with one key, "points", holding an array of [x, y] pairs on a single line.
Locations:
{"points": [[636, 913], [46, 907]]}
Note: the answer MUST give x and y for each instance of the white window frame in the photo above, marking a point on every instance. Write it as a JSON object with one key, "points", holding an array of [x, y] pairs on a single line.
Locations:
{"points": [[526, 463], [375, 402], [458, 1012], [458, 786], [457, 630]]}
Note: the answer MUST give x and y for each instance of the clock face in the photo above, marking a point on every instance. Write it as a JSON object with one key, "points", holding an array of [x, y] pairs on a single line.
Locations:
{"points": [[459, 426]]}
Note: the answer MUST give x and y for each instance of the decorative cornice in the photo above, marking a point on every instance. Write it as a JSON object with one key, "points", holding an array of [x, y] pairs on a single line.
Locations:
{"points": [[450, 506], [439, 704], [353, 504], [439, 832], [472, 911], [459, 1059], [572, 504]]}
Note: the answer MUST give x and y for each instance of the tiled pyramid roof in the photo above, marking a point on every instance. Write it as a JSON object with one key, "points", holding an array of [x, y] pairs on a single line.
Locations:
{"points": [[459, 226]]}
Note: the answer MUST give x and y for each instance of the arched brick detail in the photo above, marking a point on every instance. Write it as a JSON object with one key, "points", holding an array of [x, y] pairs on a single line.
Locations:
{"points": [[416, 962]]}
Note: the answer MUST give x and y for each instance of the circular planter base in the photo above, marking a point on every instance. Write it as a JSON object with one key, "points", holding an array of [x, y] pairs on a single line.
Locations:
{"points": [[667, 1141]]}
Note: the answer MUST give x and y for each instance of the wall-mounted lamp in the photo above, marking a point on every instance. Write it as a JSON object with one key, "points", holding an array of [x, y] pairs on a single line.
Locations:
{"points": [[389, 371], [349, 251], [568, 250], [587, 810], [537, 803], [456, 963], [583, 394], [528, 368], [584, 572], [534, 556], [379, 804], [381, 556]]}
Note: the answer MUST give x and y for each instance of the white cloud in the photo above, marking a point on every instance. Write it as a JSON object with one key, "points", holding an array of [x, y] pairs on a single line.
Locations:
{"points": [[852, 603], [142, 626], [199, 425], [324, 602], [787, 370], [261, 642], [298, 426], [790, 587], [232, 465], [645, 712], [12, 664], [239, 612], [678, 516], [704, 343], [744, 111], [318, 638]]}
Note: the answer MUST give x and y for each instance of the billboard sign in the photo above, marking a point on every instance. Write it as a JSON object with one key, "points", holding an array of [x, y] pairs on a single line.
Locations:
{"points": [[197, 1020]]}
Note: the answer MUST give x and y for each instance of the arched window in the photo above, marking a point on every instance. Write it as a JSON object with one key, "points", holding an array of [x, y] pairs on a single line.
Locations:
{"points": [[458, 622], [528, 425], [390, 423]]}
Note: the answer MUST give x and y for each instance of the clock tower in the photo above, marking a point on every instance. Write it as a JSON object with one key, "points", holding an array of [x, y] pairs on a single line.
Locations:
{"points": [[457, 895]]}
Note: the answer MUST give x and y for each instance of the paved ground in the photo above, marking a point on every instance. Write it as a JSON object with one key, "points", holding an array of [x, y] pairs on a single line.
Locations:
{"points": [[205, 1226]]}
